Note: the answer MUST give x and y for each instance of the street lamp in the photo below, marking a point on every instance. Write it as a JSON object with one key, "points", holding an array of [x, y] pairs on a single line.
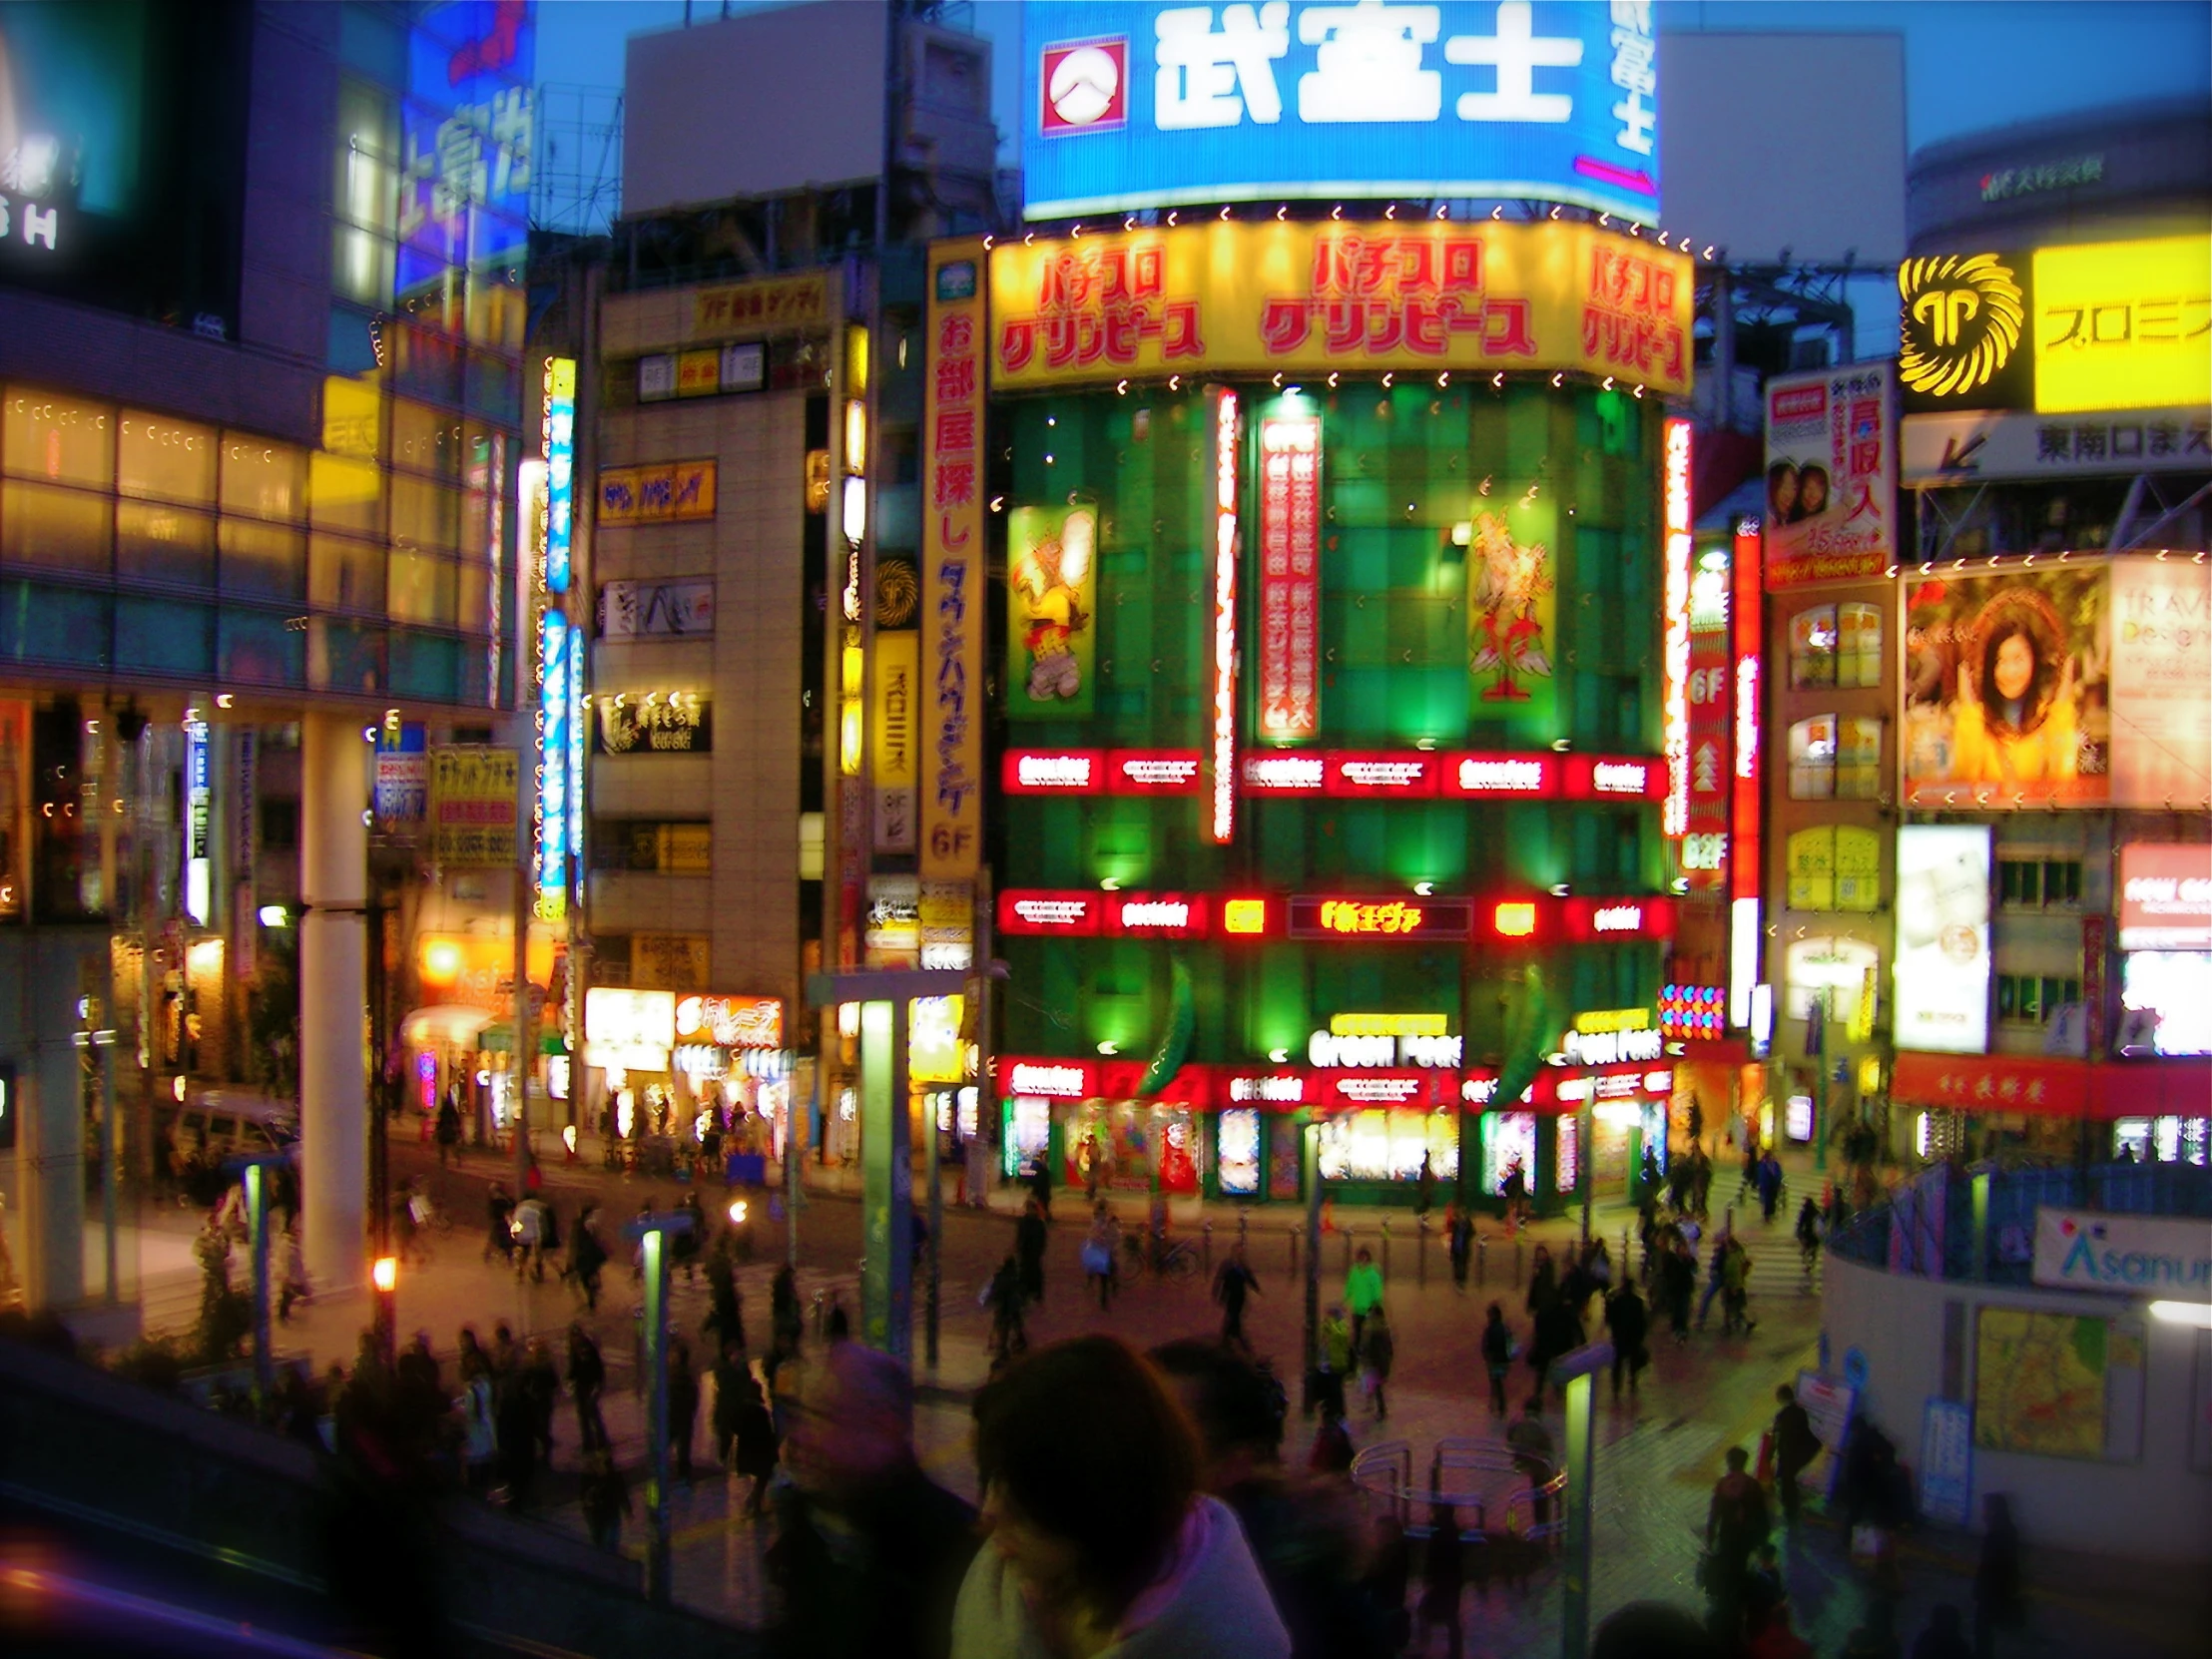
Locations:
{"points": [[652, 1232]]}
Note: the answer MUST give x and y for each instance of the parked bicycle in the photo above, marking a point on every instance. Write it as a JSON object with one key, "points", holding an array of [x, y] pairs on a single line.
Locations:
{"points": [[1156, 1252]]}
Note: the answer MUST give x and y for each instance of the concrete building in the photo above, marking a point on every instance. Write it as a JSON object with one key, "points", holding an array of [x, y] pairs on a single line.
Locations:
{"points": [[259, 338]]}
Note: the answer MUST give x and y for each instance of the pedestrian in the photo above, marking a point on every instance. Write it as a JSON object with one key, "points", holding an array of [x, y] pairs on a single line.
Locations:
{"points": [[1442, 1575], [1946, 1636], [1102, 1254], [1029, 1243], [1533, 1453], [449, 1131], [1104, 1539], [540, 1383], [1768, 1182], [1997, 1603], [1558, 1334], [1040, 1185], [1627, 1323], [1795, 1445], [869, 1554], [1003, 1297], [587, 1256], [1234, 1282], [1648, 1176], [605, 1497], [1331, 1453], [1735, 1317], [1652, 1630], [587, 1381], [1714, 1270], [1499, 1349], [1459, 1237], [1678, 1279], [1543, 1280], [292, 1270], [1512, 1186], [1424, 1187], [1808, 1235], [1736, 1523], [499, 1210], [787, 1323], [515, 1423], [1700, 1180], [683, 1407], [755, 1438], [529, 1228], [1363, 1289], [1377, 1352], [1333, 1364], [479, 1429]]}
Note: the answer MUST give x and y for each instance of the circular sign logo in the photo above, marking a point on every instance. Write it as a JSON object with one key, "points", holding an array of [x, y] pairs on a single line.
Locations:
{"points": [[1959, 320], [1085, 86]]}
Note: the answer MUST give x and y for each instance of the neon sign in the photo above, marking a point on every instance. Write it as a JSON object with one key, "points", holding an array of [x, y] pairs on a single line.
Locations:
{"points": [[1356, 775], [558, 434], [555, 741], [1051, 1079], [1164, 915], [1057, 771], [1525, 777], [1152, 771], [1289, 576], [1224, 823], [1029, 910], [1674, 817], [1381, 919]]}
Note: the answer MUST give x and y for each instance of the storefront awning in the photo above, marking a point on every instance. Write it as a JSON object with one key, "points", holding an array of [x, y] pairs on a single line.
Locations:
{"points": [[444, 1022]]}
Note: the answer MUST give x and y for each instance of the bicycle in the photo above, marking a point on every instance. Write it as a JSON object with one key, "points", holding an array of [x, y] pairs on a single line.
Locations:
{"points": [[1161, 1256]]}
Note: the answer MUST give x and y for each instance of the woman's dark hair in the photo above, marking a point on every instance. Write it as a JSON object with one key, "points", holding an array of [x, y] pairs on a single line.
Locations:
{"points": [[1778, 474], [2038, 687], [1086, 1440], [1233, 1404]]}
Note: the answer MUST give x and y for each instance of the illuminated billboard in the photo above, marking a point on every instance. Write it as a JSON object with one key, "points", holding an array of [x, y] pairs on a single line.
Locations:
{"points": [[120, 154], [2066, 685], [1128, 104], [467, 139], [1319, 298], [1943, 948], [1831, 475], [2060, 330]]}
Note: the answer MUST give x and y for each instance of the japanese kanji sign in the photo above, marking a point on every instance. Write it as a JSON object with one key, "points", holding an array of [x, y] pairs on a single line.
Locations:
{"points": [[1228, 297], [1974, 445], [1290, 577], [1146, 105], [1831, 475], [472, 806], [953, 612], [467, 145]]}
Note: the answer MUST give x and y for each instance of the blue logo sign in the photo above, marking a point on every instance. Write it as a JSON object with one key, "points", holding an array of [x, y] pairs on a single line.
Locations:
{"points": [[1138, 105]]}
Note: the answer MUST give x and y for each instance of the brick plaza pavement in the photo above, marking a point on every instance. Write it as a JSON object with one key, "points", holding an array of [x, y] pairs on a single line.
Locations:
{"points": [[1658, 1457]]}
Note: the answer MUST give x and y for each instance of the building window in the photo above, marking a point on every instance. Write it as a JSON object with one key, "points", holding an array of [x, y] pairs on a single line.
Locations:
{"points": [[652, 845], [1836, 645], [2033, 999], [279, 825], [2039, 883], [1813, 648], [1833, 758]]}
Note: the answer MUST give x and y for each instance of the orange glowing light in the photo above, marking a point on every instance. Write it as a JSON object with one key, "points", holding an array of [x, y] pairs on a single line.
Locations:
{"points": [[384, 1274]]}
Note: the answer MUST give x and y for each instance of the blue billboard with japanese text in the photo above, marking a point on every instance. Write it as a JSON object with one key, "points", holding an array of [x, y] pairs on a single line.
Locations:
{"points": [[1143, 105], [467, 139]]}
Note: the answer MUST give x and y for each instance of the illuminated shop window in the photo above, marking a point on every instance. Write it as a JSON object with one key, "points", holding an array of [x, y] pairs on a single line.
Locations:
{"points": [[1835, 758]]}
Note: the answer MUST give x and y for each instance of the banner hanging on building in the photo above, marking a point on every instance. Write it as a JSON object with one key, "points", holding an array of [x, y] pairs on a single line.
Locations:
{"points": [[892, 738], [1051, 600], [1831, 475], [953, 612], [1290, 577], [1230, 298]]}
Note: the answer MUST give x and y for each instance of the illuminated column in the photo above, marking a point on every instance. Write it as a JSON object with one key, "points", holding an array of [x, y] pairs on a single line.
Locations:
{"points": [[334, 963]]}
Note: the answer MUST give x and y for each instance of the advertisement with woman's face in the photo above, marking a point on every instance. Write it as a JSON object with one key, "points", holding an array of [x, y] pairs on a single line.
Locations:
{"points": [[2006, 696]]}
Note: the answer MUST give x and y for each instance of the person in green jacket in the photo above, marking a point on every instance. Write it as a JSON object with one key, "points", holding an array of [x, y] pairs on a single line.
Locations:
{"points": [[1363, 1292]]}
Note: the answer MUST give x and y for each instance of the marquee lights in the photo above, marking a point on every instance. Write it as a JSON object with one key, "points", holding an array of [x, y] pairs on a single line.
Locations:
{"points": [[1674, 817], [1224, 819]]}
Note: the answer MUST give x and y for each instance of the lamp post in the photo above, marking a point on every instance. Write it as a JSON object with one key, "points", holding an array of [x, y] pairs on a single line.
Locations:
{"points": [[101, 1043], [1311, 1136], [254, 1177], [651, 1232]]}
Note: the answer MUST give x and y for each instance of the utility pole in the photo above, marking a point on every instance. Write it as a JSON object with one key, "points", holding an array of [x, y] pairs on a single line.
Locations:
{"points": [[1311, 1157], [652, 1232], [1579, 1368]]}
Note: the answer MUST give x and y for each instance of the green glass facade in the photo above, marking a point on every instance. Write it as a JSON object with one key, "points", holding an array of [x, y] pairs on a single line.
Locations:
{"points": [[1416, 481]]}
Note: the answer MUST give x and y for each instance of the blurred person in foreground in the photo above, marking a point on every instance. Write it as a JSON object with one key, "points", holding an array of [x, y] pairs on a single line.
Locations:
{"points": [[870, 1551], [1306, 1534], [1101, 1543], [1652, 1630]]}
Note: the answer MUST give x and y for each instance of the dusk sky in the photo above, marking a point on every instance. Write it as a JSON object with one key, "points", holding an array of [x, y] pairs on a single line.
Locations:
{"points": [[1968, 64]]}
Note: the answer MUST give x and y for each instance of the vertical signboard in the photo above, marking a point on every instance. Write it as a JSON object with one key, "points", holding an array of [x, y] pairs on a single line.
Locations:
{"points": [[1831, 475], [559, 436], [952, 566], [554, 720], [244, 843], [1674, 814], [199, 804], [1222, 820], [472, 806], [1705, 845], [1290, 572], [892, 740], [1943, 948], [1746, 621]]}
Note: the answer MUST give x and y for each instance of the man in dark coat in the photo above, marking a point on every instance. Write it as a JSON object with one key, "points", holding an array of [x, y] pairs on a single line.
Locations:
{"points": [[869, 1552], [1795, 1445], [1029, 1243]]}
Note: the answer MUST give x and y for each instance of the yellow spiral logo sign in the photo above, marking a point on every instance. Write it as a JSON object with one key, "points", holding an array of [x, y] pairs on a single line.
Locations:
{"points": [[1959, 320]]}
